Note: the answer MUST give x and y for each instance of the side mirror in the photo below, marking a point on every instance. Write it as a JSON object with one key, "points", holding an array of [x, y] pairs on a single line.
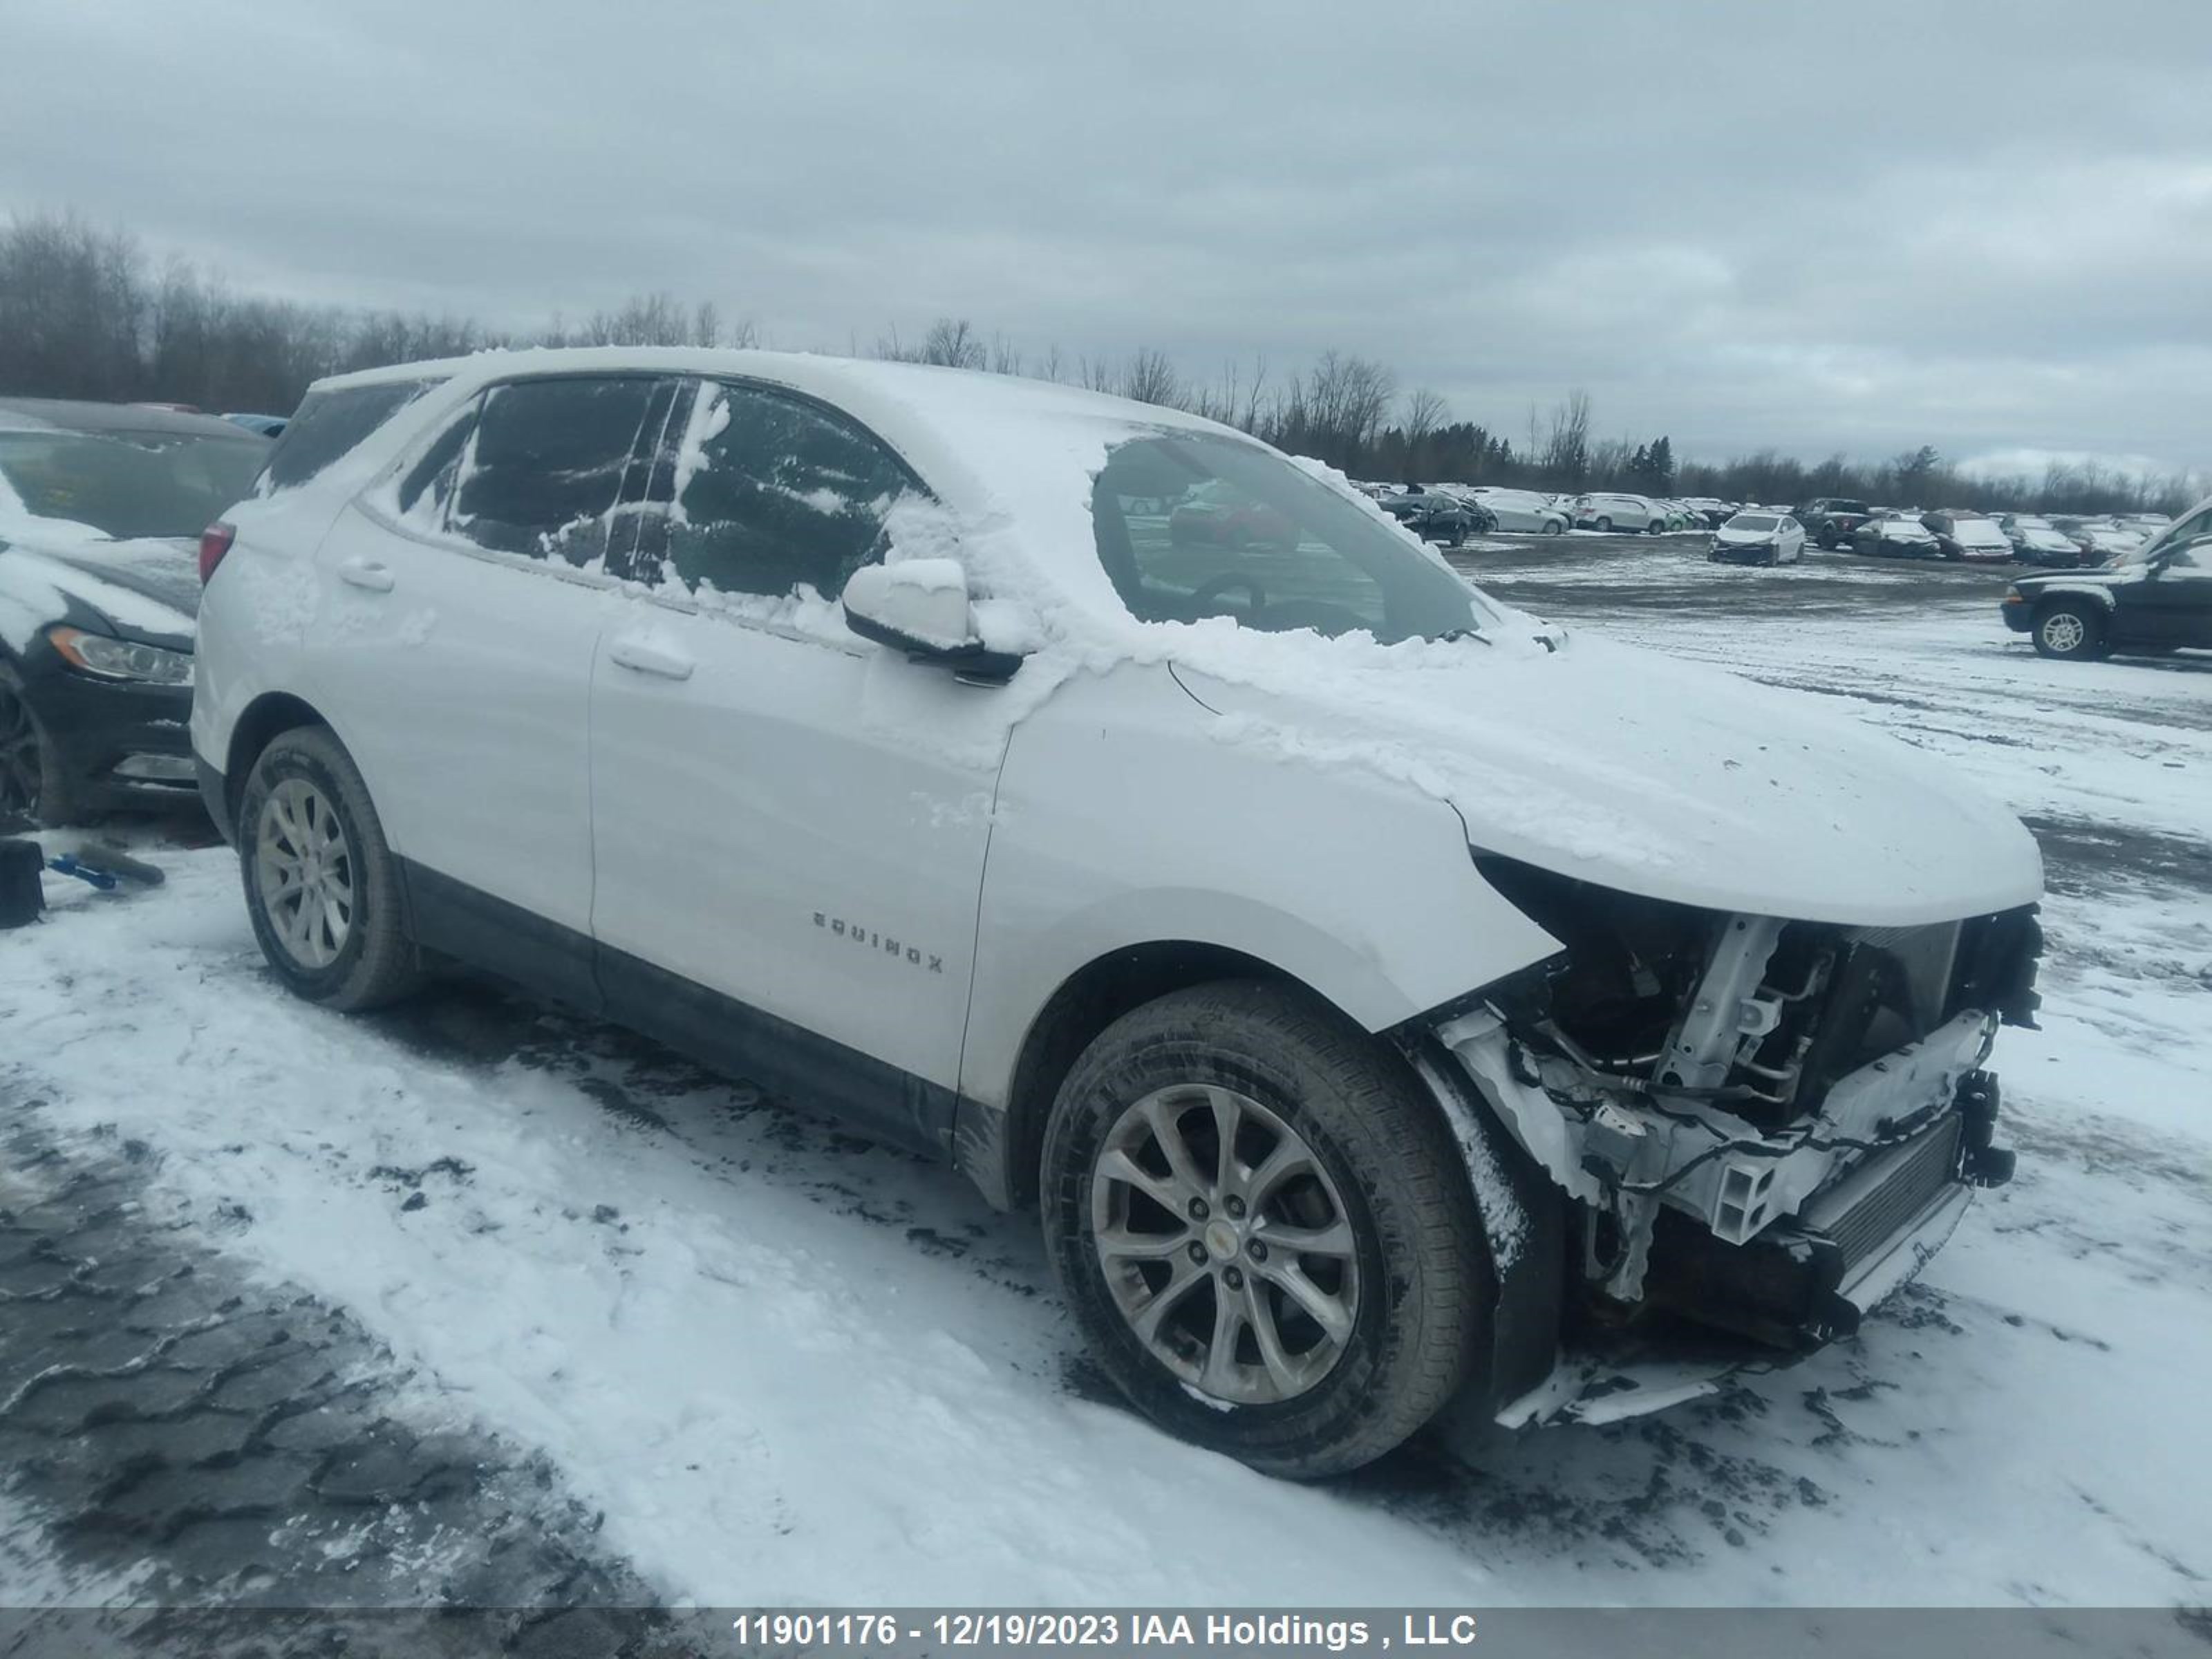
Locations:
{"points": [[921, 606]]}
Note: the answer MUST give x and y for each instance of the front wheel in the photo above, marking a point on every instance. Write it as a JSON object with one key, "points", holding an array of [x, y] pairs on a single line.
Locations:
{"points": [[1264, 1228], [2070, 630], [1605, 526], [322, 888], [34, 782], [1554, 527]]}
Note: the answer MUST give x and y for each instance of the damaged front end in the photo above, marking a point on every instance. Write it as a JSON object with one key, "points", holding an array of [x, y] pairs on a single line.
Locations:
{"points": [[1761, 1127]]}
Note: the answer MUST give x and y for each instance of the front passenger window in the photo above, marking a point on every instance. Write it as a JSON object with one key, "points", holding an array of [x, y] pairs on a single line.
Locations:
{"points": [[544, 463], [772, 493]]}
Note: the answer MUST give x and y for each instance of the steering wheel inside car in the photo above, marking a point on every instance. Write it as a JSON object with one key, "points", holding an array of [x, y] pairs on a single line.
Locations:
{"points": [[1210, 591]]}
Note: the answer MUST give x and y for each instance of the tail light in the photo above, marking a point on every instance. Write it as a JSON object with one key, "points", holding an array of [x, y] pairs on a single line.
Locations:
{"points": [[214, 542]]}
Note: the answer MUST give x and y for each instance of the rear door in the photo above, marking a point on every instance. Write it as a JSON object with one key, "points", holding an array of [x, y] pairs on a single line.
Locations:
{"points": [[789, 823], [460, 607]]}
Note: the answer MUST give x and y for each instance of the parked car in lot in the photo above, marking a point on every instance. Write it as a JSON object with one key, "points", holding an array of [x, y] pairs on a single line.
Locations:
{"points": [[265, 426], [1609, 513], [1830, 519], [1896, 534], [1436, 516], [1216, 514], [100, 506], [1713, 514], [1968, 536], [1522, 512], [2038, 543], [2156, 598], [2106, 542], [1757, 539], [1441, 516], [861, 726]]}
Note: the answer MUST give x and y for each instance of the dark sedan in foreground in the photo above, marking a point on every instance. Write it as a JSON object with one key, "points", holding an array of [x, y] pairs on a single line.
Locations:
{"points": [[101, 506]]}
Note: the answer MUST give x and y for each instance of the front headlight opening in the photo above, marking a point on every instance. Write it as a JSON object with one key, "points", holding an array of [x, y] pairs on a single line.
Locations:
{"points": [[113, 658]]}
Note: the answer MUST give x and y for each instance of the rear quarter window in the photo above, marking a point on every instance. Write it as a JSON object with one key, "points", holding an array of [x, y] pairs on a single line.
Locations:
{"points": [[329, 424]]}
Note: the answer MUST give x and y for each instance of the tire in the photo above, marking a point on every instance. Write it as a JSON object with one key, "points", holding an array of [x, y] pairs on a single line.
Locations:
{"points": [[2071, 630], [1554, 527], [1407, 1297], [32, 786], [304, 793], [1656, 527], [1605, 526]]}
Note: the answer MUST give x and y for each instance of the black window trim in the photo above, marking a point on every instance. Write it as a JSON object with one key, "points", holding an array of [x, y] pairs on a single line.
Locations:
{"points": [[681, 599], [445, 538]]}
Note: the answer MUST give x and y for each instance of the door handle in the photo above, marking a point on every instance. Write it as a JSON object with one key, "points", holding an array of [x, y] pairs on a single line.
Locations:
{"points": [[366, 573], [649, 658]]}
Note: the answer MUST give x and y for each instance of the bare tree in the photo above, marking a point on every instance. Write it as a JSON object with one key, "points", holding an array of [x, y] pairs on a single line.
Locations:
{"points": [[1149, 378], [952, 342], [1566, 452], [1424, 412]]}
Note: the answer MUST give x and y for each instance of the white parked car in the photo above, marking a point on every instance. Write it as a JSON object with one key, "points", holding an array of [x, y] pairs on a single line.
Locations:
{"points": [[1610, 513], [1522, 512], [1372, 986], [1757, 539]]}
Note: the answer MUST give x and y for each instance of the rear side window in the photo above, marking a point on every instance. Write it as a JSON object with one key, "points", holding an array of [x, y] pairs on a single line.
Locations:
{"points": [[539, 470], [770, 493], [329, 424]]}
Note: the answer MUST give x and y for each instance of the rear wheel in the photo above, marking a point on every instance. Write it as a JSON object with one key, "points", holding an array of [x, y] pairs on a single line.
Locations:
{"points": [[1264, 1228], [1605, 526], [322, 888], [1554, 527], [2070, 628]]}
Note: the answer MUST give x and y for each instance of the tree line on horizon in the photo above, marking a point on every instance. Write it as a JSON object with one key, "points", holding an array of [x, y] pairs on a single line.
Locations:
{"points": [[85, 313]]}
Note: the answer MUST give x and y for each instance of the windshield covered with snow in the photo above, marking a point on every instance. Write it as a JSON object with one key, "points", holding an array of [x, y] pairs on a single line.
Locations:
{"points": [[1191, 525], [1752, 521], [125, 484]]}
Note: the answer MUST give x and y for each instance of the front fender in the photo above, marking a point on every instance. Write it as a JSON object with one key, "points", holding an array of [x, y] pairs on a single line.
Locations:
{"points": [[2098, 590], [1121, 822]]}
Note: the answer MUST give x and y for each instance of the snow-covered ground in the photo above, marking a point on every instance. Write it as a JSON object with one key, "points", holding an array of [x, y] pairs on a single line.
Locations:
{"points": [[789, 1365]]}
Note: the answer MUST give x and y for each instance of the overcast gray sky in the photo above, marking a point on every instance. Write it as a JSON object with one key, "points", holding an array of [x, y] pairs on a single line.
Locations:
{"points": [[1844, 226]]}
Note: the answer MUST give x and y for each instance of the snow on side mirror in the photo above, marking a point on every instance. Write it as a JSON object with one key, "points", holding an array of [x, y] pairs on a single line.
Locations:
{"points": [[921, 606]]}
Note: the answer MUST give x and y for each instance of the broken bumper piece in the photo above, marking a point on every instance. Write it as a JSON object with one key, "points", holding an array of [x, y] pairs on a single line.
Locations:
{"points": [[1787, 1295]]}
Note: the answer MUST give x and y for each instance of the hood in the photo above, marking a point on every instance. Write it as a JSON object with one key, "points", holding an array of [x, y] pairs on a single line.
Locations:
{"points": [[2097, 575], [1640, 773], [147, 591]]}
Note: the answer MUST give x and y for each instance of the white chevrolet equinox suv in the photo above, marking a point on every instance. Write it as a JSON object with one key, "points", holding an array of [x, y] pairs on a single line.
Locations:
{"points": [[1386, 998]]}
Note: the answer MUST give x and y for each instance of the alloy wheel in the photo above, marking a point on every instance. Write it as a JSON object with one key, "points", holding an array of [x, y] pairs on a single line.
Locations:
{"points": [[1225, 1244], [2064, 633], [303, 871], [22, 774]]}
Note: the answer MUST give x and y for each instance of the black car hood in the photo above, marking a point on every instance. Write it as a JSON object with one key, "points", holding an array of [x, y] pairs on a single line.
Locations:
{"points": [[2097, 575], [145, 590]]}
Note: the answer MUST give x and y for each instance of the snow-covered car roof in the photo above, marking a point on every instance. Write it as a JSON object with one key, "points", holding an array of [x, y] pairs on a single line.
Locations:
{"points": [[78, 415]]}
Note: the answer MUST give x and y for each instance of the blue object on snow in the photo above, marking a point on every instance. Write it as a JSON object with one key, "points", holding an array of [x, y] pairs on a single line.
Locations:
{"points": [[67, 865]]}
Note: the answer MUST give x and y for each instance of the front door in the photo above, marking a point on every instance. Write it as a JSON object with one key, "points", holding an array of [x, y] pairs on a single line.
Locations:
{"points": [[789, 824], [2174, 606]]}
